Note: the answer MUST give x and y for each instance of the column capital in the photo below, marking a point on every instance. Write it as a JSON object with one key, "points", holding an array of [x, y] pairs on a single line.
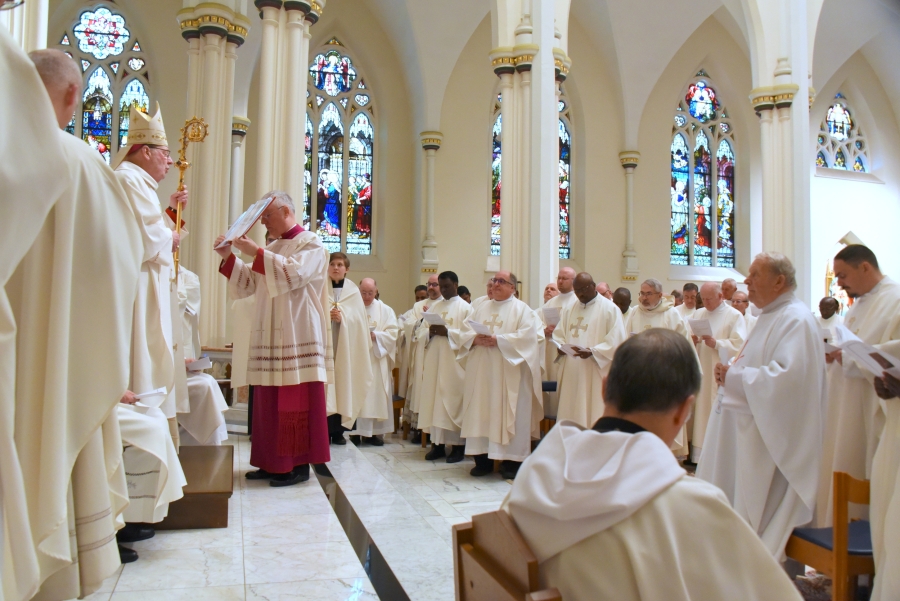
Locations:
{"points": [[311, 9], [562, 63], [431, 140], [629, 159], [772, 97], [523, 56], [503, 61], [213, 18], [239, 126]]}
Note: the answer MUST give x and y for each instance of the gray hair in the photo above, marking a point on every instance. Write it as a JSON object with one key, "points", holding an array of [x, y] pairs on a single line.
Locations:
{"points": [[655, 284], [281, 199], [779, 264], [717, 287], [513, 279], [729, 281]]}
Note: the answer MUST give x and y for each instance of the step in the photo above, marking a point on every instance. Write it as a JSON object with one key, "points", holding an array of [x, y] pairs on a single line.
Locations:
{"points": [[210, 483]]}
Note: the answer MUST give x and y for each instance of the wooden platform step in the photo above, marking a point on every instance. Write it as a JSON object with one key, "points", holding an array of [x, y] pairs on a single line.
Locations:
{"points": [[209, 471]]}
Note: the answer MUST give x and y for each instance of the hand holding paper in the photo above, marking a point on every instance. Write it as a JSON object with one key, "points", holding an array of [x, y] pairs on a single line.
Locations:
{"points": [[700, 327], [551, 316], [434, 319], [478, 328]]}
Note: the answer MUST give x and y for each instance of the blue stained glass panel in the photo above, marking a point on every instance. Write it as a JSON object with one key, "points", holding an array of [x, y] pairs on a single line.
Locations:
{"points": [[702, 101], [331, 177], [725, 205], [96, 125], [307, 173], [332, 73], [101, 33], [702, 202], [859, 166], [359, 186], [496, 184], [820, 160], [680, 205], [839, 122], [565, 164], [133, 95]]}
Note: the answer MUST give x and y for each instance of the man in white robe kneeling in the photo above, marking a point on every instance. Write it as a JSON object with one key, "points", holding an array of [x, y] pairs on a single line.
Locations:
{"points": [[205, 424], [609, 513], [502, 407], [376, 415]]}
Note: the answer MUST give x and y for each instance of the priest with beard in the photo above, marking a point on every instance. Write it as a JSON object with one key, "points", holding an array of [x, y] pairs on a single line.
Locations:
{"points": [[415, 334], [289, 363], [502, 395], [564, 298], [609, 513], [443, 375], [763, 444], [377, 410], [594, 325]]}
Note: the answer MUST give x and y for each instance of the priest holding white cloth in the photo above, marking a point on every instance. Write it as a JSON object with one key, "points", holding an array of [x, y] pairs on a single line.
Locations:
{"points": [[763, 445], [728, 335], [443, 376], [594, 325], [502, 399], [376, 415], [609, 513]]}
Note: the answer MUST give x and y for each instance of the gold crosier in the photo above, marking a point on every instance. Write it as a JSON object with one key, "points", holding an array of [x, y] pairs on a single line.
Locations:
{"points": [[194, 130]]}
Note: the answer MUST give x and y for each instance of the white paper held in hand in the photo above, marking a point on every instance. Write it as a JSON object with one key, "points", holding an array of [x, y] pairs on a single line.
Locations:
{"points": [[700, 327], [433, 319], [478, 327], [551, 316], [152, 398], [200, 364]]}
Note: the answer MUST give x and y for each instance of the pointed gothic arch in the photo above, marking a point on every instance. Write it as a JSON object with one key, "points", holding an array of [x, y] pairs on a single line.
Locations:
{"points": [[841, 143]]}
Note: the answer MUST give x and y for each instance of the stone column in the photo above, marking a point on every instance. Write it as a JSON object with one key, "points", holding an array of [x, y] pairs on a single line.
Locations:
{"points": [[27, 24], [239, 127], [629, 160], [431, 143], [267, 92]]}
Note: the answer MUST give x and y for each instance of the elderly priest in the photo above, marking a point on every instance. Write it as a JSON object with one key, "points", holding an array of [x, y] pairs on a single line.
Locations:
{"points": [[610, 514], [763, 445], [287, 364], [502, 399]]}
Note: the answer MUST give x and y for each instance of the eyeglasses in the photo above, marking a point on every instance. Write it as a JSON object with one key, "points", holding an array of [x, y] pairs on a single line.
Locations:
{"points": [[740, 302], [584, 289], [500, 281], [433, 285], [646, 294], [165, 151]]}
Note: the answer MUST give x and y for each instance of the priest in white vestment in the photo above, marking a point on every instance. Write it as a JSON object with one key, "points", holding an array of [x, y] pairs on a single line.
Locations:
{"points": [[688, 306], [728, 336], [829, 316], [352, 345], [741, 303], [502, 399], [376, 415], [443, 376], [656, 311], [763, 445], [609, 513], [553, 308], [72, 292], [622, 299], [403, 344], [729, 287], [854, 416], [489, 294], [885, 487], [594, 325], [415, 333], [205, 423]]}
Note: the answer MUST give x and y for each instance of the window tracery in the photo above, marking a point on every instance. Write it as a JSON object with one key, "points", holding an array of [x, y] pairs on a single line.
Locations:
{"points": [[841, 143]]}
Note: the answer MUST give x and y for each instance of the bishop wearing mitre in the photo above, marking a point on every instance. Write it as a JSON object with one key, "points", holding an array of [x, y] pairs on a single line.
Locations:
{"points": [[70, 285], [443, 376], [554, 308], [729, 330], [289, 359], [376, 413], [594, 325], [415, 333], [763, 445], [502, 400], [352, 343]]}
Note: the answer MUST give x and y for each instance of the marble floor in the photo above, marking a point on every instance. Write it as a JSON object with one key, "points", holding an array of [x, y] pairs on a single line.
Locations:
{"points": [[285, 544]]}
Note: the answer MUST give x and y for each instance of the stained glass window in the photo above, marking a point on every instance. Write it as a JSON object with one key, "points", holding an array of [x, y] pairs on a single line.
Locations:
{"points": [[702, 192], [362, 99], [565, 163], [108, 91], [496, 184], [332, 73], [359, 188], [841, 143], [307, 172], [331, 175], [101, 33]]}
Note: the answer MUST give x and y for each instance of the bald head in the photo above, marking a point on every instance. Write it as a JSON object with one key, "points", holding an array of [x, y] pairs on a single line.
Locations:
{"points": [[367, 290], [434, 288], [565, 280], [622, 299], [729, 287], [62, 78], [711, 294]]}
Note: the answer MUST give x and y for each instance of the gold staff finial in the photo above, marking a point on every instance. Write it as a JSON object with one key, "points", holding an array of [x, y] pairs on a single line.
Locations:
{"points": [[194, 130]]}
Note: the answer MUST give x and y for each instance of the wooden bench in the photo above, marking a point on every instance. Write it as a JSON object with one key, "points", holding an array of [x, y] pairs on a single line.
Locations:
{"points": [[209, 471]]}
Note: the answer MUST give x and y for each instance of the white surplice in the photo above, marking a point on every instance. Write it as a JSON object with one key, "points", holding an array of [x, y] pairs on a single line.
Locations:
{"points": [[749, 321], [443, 377], [502, 399], [23, 175], [72, 297], [352, 366], [763, 445], [549, 367], [414, 337], [729, 330], [605, 515], [685, 312], [598, 326], [376, 415], [831, 323]]}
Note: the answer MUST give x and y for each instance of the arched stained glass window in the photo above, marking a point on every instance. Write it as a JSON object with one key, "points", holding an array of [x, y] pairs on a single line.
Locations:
{"points": [[564, 175], [841, 143], [340, 153], [702, 193], [111, 87]]}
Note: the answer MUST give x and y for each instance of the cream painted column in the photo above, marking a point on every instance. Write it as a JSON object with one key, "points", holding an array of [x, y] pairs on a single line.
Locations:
{"points": [[267, 92], [630, 270], [239, 127], [294, 103], [27, 24], [431, 143]]}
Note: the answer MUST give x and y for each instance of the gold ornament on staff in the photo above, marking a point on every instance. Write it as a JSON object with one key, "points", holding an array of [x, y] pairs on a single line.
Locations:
{"points": [[194, 130]]}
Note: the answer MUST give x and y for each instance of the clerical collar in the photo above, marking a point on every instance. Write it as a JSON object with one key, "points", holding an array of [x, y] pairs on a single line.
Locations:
{"points": [[511, 296], [293, 232], [337, 284], [617, 424], [874, 289], [779, 302], [450, 299], [590, 302]]}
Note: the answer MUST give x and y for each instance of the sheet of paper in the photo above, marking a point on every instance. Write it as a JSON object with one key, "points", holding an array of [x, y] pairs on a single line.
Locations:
{"points": [[243, 223], [152, 398], [842, 335], [199, 364], [875, 361], [478, 327], [830, 348], [700, 327], [551, 316], [572, 349], [433, 319]]}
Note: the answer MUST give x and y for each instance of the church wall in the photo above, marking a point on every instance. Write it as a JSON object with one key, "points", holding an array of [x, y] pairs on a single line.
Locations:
{"points": [[869, 207]]}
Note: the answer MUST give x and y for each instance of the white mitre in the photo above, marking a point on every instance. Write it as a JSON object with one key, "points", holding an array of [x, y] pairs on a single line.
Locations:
{"points": [[142, 129]]}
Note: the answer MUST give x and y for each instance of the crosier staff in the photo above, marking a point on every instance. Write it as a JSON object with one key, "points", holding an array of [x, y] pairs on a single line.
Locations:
{"points": [[194, 130]]}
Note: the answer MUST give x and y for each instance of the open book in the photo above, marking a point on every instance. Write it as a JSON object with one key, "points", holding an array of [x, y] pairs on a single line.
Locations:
{"points": [[243, 223]]}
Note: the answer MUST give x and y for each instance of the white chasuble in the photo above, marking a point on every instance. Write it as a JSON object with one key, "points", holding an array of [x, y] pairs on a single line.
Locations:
{"points": [[749, 322], [289, 338], [685, 312], [854, 417], [549, 367], [763, 445], [22, 176], [352, 366], [585, 495], [376, 415], [831, 323], [415, 336], [596, 326], [72, 297], [729, 330], [443, 377], [665, 316], [502, 398]]}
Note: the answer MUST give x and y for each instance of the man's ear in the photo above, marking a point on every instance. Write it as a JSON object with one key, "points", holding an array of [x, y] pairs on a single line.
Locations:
{"points": [[603, 387], [71, 96], [684, 411]]}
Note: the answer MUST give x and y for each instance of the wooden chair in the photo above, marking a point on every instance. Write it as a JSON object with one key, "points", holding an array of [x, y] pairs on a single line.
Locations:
{"points": [[844, 551], [399, 401], [492, 562]]}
